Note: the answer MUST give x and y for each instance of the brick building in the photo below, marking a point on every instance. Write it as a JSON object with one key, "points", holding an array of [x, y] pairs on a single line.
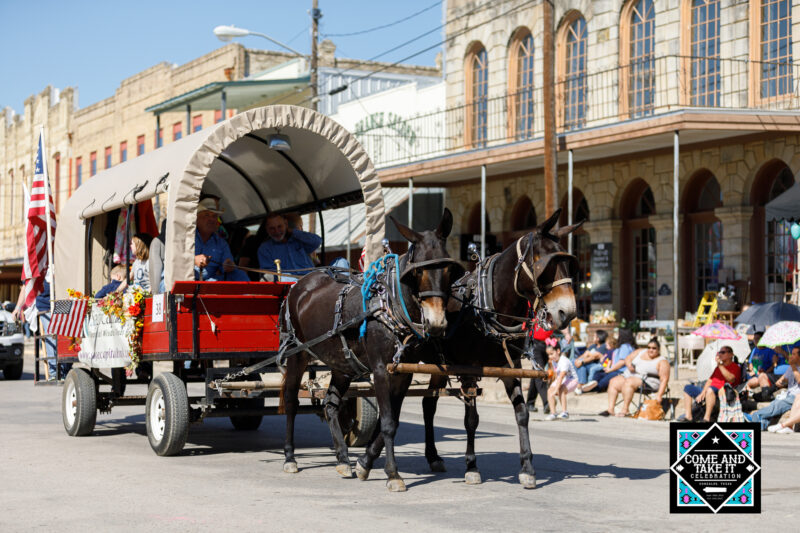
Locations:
{"points": [[629, 74]]}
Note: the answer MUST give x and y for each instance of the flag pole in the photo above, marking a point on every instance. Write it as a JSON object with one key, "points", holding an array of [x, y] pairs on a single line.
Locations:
{"points": [[48, 195]]}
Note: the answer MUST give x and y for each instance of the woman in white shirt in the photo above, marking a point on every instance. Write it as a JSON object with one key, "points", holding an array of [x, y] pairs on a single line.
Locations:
{"points": [[641, 365], [565, 379]]}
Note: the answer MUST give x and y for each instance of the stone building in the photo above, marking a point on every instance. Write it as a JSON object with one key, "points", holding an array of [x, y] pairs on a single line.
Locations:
{"points": [[629, 74], [83, 141]]}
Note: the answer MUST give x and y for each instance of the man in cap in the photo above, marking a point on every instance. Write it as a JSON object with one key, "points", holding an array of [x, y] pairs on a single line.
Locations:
{"points": [[213, 260]]}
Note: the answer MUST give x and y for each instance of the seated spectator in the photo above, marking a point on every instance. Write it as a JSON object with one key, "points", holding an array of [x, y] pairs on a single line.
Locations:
{"points": [[140, 269], [790, 423], [590, 362], [613, 365], [117, 283], [565, 380], [646, 366], [783, 403], [762, 366], [727, 371], [567, 343]]}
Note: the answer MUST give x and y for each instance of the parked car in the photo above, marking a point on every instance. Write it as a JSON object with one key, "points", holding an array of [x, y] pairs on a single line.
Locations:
{"points": [[11, 343]]}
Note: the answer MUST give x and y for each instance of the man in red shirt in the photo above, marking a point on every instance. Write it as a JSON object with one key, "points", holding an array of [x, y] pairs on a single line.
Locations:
{"points": [[727, 371]]}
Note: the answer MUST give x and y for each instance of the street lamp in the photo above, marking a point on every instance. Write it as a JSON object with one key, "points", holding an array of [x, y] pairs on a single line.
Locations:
{"points": [[226, 33]]}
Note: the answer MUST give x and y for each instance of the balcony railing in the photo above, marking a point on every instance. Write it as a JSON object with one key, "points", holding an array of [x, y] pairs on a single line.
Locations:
{"points": [[646, 89]]}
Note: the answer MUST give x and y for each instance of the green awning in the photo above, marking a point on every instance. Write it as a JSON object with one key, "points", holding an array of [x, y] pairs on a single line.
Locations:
{"points": [[242, 94]]}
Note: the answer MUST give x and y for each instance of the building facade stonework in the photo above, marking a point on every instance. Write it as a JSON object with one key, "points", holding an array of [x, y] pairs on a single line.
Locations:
{"points": [[628, 75]]}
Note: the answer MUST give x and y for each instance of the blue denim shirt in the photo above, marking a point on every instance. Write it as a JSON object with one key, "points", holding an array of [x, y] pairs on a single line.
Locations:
{"points": [[217, 251], [293, 253]]}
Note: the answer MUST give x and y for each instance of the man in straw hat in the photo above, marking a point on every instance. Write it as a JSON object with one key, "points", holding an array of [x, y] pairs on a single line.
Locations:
{"points": [[213, 260]]}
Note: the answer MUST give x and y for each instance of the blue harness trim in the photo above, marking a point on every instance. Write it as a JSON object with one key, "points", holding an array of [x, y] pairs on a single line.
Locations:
{"points": [[376, 268]]}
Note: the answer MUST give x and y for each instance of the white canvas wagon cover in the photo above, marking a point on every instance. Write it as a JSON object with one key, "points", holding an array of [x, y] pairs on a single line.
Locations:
{"points": [[326, 166]]}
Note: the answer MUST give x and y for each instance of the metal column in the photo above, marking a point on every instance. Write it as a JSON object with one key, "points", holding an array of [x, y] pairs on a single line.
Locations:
{"points": [[349, 230], [569, 198], [223, 105], [483, 211], [675, 198], [410, 202], [188, 119], [158, 131]]}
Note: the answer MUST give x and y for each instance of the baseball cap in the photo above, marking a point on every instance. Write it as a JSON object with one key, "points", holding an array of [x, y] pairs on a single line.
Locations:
{"points": [[208, 204]]}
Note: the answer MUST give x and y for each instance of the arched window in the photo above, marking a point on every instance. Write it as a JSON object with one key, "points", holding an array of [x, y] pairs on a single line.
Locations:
{"points": [[523, 215], [781, 248], [574, 43], [637, 57], [521, 85], [639, 252], [771, 28], [702, 237], [703, 52], [773, 251], [477, 90]]}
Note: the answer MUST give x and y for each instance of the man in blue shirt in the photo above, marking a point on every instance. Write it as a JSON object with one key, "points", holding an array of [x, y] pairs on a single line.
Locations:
{"points": [[213, 260], [291, 247]]}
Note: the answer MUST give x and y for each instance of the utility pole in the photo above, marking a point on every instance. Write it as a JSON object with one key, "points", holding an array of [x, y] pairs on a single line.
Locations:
{"points": [[316, 14], [548, 86]]}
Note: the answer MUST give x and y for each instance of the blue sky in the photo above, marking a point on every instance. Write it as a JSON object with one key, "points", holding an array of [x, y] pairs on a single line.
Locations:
{"points": [[94, 45]]}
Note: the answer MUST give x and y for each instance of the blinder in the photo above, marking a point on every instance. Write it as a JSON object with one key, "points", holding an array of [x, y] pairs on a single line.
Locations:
{"points": [[540, 266], [456, 270]]}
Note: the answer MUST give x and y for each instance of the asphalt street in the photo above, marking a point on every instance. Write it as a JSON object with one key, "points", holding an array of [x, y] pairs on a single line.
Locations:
{"points": [[593, 474]]}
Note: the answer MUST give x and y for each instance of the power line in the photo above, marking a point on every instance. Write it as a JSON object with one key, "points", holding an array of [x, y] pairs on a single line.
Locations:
{"points": [[389, 25], [481, 7], [415, 54]]}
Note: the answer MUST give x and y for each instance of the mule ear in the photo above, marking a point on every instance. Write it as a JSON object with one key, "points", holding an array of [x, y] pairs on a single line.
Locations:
{"points": [[446, 225], [548, 224], [566, 230], [409, 234]]}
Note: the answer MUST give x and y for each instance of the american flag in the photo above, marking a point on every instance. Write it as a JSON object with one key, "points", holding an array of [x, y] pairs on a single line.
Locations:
{"points": [[67, 318], [40, 207]]}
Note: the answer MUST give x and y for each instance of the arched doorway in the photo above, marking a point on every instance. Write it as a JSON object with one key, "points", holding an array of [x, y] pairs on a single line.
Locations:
{"points": [[773, 251], [638, 252], [580, 249], [702, 237]]}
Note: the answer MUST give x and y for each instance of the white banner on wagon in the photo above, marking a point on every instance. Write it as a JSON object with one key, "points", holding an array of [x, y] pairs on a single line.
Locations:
{"points": [[105, 341]]}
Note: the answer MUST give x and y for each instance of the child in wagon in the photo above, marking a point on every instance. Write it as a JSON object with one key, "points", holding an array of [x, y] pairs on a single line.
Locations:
{"points": [[565, 380]]}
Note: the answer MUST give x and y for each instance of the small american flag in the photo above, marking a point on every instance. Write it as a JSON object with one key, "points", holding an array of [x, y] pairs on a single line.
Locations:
{"points": [[67, 319]]}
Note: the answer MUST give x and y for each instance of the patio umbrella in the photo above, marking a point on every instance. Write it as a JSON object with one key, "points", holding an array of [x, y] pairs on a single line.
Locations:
{"points": [[717, 330], [706, 362], [780, 334], [763, 315]]}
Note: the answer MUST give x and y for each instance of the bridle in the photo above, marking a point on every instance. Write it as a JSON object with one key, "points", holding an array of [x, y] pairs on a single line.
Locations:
{"points": [[539, 306]]}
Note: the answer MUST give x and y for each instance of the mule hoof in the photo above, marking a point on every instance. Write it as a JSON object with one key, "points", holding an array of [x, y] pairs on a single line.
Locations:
{"points": [[290, 467], [473, 478], [361, 472], [528, 480], [438, 466], [344, 470], [396, 485]]}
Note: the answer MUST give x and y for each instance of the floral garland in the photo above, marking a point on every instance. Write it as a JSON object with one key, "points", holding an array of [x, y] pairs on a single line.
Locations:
{"points": [[124, 306]]}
